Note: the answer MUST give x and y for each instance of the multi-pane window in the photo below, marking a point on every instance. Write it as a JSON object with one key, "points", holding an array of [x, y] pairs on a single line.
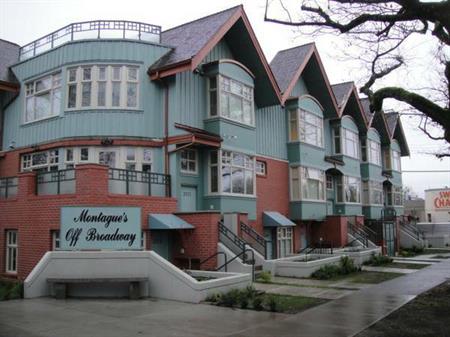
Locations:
{"points": [[130, 158], [337, 139], [233, 100], [374, 152], [351, 143], [396, 166], [41, 161], [372, 193], [352, 189], [11, 251], [329, 182], [306, 127], [188, 161], [284, 241], [397, 195], [261, 168], [103, 86], [56, 242], [236, 171], [147, 160], [43, 98], [307, 183]]}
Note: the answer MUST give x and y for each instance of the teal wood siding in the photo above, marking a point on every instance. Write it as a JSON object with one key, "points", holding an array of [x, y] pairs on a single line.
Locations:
{"points": [[348, 209], [146, 122], [271, 132], [372, 212], [220, 51], [370, 171], [232, 203], [307, 210], [299, 88]]}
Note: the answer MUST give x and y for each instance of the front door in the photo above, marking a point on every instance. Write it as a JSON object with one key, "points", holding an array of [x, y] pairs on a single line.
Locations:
{"points": [[188, 200], [161, 243], [389, 237], [269, 242]]}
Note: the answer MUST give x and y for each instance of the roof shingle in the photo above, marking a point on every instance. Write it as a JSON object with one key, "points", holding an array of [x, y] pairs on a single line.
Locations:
{"points": [[8, 56], [391, 120], [341, 92], [366, 108]]}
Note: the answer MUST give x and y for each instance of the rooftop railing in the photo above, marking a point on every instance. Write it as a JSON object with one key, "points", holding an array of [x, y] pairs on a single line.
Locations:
{"points": [[99, 29], [8, 187]]}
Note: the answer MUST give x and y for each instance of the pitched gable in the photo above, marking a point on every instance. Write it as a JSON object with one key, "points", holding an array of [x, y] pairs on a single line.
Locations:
{"points": [[396, 131], [349, 104]]}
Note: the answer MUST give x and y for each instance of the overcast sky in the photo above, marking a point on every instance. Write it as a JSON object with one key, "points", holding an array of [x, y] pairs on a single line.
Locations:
{"points": [[22, 21]]}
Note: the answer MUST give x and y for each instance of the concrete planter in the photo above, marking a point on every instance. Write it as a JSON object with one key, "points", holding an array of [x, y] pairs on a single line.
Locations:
{"points": [[293, 266], [359, 256]]}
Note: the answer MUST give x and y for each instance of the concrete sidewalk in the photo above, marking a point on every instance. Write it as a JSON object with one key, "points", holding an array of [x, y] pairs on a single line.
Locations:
{"points": [[345, 316]]}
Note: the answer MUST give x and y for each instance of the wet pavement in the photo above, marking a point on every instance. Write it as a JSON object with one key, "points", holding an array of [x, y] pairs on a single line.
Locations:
{"points": [[389, 270], [345, 316]]}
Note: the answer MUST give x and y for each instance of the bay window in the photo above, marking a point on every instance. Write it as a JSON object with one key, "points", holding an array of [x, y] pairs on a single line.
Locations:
{"points": [[11, 251], [352, 189], [307, 183], [41, 161], [231, 99], [374, 152], [351, 143], [372, 193], [43, 98], [396, 165], [103, 86], [306, 127], [231, 173]]}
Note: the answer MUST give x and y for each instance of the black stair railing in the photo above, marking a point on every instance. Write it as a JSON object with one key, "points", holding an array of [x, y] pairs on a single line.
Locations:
{"points": [[213, 256], [231, 240], [243, 256], [412, 230], [254, 239], [358, 234]]}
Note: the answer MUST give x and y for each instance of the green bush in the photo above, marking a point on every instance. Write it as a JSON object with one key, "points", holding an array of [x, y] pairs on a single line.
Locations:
{"points": [[250, 292], [347, 266], [264, 277], [272, 303], [10, 290], [230, 298], [326, 272], [378, 260], [258, 303], [214, 298]]}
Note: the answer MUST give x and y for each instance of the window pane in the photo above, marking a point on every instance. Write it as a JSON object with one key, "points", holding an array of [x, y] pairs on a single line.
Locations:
{"points": [[29, 114], [84, 154], [238, 180], [132, 73], [102, 73], [116, 72], [147, 155], [132, 95], [226, 179], [224, 105], [213, 103], [72, 96], [44, 84], [248, 182], [69, 154], [43, 106], [72, 75], [56, 101], [235, 108], [86, 94], [214, 180], [86, 74], [131, 154], [101, 94], [116, 94]]}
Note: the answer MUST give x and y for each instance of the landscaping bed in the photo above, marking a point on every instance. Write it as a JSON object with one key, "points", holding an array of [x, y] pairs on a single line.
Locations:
{"points": [[10, 289], [401, 265], [251, 299], [428, 315]]}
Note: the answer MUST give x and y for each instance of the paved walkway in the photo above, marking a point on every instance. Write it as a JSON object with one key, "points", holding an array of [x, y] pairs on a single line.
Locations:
{"points": [[389, 270], [345, 316]]}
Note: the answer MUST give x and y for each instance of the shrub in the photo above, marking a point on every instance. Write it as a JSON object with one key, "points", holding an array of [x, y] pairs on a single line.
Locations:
{"points": [[346, 265], [230, 298], [258, 303], [272, 303], [326, 272], [250, 292], [10, 290], [378, 260], [264, 277], [214, 298], [243, 301]]}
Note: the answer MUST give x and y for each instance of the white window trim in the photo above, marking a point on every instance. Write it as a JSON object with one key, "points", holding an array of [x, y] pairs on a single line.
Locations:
{"points": [[94, 87], [219, 177], [195, 161], [396, 161], [344, 139], [51, 91], [282, 235], [371, 160], [14, 246], [263, 165], [369, 192], [300, 179], [298, 121], [218, 105], [344, 184]]}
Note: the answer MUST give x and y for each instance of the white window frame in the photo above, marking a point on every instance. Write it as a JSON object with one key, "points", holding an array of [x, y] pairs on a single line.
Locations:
{"points": [[261, 168], [53, 159], [369, 187], [303, 118], [346, 188], [350, 138], [12, 247], [397, 195], [222, 155], [221, 89], [54, 90], [285, 234], [299, 175], [124, 81], [396, 161], [374, 152], [188, 161]]}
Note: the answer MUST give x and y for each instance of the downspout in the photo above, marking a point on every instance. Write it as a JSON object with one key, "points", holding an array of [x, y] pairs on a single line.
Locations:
{"points": [[166, 128]]}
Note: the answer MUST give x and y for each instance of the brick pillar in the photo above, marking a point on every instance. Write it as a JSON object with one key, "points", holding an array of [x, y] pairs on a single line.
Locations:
{"points": [[92, 179], [27, 184]]}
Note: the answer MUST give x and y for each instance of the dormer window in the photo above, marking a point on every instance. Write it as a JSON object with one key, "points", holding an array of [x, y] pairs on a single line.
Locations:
{"points": [[305, 127], [231, 99]]}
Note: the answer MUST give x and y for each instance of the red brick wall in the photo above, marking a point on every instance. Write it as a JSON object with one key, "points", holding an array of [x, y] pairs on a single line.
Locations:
{"points": [[333, 229], [272, 190], [200, 243], [35, 216]]}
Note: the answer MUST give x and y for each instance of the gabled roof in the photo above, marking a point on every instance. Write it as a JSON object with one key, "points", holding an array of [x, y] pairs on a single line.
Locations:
{"points": [[8, 56], [366, 108], [349, 104], [289, 64], [191, 42], [396, 130]]}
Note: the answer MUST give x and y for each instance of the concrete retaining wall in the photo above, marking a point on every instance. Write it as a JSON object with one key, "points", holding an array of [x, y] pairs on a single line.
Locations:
{"points": [[359, 257], [164, 279]]}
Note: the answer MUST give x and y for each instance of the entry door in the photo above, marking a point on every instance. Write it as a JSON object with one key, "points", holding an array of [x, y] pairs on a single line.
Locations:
{"points": [[269, 242], [161, 243], [188, 200], [330, 206], [389, 237]]}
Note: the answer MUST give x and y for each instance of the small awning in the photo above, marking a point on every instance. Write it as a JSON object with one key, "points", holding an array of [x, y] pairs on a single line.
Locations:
{"points": [[167, 221], [275, 219]]}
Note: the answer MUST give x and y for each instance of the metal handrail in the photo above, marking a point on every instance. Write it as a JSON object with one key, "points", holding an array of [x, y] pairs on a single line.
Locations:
{"points": [[233, 238], [358, 234], [149, 178], [69, 33], [412, 230], [259, 243], [57, 177], [212, 256], [244, 259]]}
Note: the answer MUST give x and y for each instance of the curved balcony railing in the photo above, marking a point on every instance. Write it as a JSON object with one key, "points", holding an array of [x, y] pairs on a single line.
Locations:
{"points": [[99, 29]]}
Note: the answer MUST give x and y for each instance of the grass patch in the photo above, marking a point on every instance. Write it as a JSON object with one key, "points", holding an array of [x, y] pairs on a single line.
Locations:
{"points": [[428, 315], [372, 277], [436, 251], [10, 289], [441, 257], [378, 260], [252, 299], [401, 265]]}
